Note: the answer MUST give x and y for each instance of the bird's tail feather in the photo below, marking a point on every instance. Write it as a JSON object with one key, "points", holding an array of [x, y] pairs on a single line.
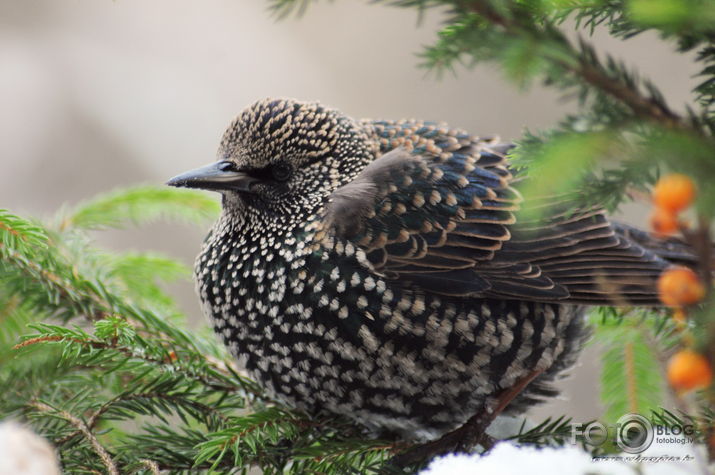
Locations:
{"points": [[673, 250]]}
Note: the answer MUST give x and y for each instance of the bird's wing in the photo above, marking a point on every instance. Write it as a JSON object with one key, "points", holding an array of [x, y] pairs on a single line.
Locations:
{"points": [[446, 223], [587, 255]]}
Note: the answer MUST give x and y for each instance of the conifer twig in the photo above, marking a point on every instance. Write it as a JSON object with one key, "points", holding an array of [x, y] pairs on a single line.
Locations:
{"points": [[128, 352], [643, 107], [470, 433], [85, 430]]}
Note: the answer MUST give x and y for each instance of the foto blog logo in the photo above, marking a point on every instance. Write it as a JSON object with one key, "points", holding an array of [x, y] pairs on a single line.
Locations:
{"points": [[632, 433]]}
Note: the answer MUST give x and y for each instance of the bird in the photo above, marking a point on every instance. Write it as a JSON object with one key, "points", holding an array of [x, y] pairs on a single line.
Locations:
{"points": [[383, 270]]}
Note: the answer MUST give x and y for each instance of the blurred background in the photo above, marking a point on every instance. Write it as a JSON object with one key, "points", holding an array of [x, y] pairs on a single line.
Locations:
{"points": [[101, 94]]}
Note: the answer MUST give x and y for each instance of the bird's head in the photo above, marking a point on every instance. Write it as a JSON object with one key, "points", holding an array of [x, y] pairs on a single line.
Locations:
{"points": [[282, 156]]}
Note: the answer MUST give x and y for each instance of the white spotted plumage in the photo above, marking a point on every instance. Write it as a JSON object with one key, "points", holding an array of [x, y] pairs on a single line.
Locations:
{"points": [[313, 320]]}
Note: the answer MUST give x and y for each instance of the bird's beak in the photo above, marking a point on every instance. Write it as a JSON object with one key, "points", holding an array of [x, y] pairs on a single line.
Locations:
{"points": [[219, 176]]}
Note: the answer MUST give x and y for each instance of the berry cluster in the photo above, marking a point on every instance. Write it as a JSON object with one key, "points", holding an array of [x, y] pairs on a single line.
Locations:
{"points": [[672, 194], [679, 287]]}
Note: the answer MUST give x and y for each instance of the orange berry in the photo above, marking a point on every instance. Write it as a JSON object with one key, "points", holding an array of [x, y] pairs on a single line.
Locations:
{"points": [[663, 222], [680, 316], [674, 192], [688, 370], [680, 286]]}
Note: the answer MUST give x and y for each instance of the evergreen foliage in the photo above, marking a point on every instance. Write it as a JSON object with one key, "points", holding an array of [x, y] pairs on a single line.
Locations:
{"points": [[630, 383], [96, 356]]}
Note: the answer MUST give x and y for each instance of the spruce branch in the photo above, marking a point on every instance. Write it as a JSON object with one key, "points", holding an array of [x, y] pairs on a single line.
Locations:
{"points": [[140, 205], [553, 432], [628, 382], [80, 296], [581, 62], [19, 233], [196, 408], [82, 427], [82, 349], [471, 433]]}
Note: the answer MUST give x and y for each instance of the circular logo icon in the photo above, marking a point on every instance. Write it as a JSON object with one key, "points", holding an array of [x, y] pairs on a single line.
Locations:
{"points": [[634, 433]]}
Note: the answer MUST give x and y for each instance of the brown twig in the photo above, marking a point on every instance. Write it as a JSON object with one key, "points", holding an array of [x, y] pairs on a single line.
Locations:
{"points": [[471, 433], [82, 427], [642, 106]]}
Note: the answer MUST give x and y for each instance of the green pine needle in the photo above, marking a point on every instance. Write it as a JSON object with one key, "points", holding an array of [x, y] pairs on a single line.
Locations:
{"points": [[20, 234], [141, 205], [631, 381]]}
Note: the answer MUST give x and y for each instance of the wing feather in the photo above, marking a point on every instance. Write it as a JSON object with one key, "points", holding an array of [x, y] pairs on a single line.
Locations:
{"points": [[440, 217]]}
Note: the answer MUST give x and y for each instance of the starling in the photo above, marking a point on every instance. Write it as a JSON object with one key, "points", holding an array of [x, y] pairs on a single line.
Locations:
{"points": [[376, 269]]}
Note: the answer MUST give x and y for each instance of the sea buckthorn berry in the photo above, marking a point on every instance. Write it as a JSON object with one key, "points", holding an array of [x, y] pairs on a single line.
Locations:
{"points": [[680, 316], [674, 192], [680, 286], [688, 370], [663, 222]]}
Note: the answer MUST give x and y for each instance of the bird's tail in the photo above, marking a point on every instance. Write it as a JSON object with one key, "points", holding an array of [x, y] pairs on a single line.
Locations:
{"points": [[672, 250]]}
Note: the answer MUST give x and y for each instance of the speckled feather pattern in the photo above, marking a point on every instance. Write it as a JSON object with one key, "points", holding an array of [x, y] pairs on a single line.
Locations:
{"points": [[386, 280]]}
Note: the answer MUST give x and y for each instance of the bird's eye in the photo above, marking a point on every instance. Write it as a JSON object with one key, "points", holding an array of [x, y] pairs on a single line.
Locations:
{"points": [[227, 166], [281, 171]]}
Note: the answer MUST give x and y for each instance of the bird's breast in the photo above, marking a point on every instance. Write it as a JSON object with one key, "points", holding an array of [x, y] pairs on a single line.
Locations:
{"points": [[321, 331]]}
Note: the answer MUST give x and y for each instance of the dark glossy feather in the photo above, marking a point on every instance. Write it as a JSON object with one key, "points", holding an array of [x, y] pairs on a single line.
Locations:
{"points": [[446, 223]]}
